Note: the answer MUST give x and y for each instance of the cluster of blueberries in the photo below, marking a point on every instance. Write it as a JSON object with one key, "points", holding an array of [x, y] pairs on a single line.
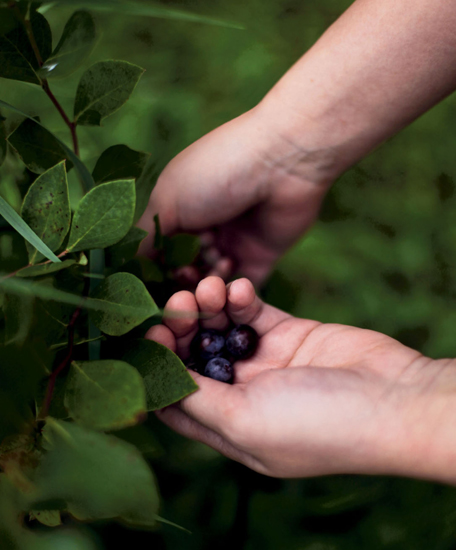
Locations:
{"points": [[213, 352]]}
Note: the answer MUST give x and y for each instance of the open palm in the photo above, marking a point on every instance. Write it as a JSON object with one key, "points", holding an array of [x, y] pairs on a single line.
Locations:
{"points": [[314, 399]]}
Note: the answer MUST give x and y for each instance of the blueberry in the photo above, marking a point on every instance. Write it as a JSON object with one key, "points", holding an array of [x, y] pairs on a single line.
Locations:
{"points": [[219, 369], [208, 344], [242, 342]]}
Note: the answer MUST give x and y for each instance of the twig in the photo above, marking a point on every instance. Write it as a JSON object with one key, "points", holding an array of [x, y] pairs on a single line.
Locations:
{"points": [[28, 28], [13, 273], [63, 364], [71, 125], [44, 83]]}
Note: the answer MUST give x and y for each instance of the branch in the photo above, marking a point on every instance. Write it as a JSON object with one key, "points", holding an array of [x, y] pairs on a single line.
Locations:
{"points": [[28, 27], [44, 82], [13, 273]]}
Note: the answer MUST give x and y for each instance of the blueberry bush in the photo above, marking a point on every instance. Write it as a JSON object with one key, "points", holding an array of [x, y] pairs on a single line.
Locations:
{"points": [[74, 373], [382, 256]]}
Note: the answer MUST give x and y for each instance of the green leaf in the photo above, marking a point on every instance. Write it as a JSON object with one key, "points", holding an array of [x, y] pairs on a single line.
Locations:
{"points": [[13, 218], [98, 476], [51, 518], [77, 41], [144, 187], [145, 269], [103, 89], [45, 292], [18, 311], [83, 174], [105, 395], [150, 9], [126, 304], [165, 376], [119, 162], [181, 249], [3, 144], [42, 33], [126, 248], [22, 369], [17, 58], [103, 216], [111, 309], [46, 208], [37, 147], [45, 269], [143, 438]]}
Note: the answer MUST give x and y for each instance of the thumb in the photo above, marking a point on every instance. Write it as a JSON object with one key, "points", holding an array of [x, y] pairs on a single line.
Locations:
{"points": [[215, 405]]}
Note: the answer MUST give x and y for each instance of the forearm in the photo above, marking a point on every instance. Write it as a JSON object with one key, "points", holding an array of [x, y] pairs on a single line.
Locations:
{"points": [[377, 68]]}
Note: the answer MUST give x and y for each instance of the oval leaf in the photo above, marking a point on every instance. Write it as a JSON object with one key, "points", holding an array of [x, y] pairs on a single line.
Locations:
{"points": [[13, 218], [37, 147], [97, 475], [144, 186], [119, 162], [103, 217], [77, 41], [83, 174], [46, 208], [103, 89], [105, 395], [44, 269], [17, 58], [125, 249], [165, 376], [51, 518], [125, 302]]}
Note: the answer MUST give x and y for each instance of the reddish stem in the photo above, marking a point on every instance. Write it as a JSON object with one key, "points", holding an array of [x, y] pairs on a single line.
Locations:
{"points": [[63, 364], [71, 125], [28, 28], [44, 83]]}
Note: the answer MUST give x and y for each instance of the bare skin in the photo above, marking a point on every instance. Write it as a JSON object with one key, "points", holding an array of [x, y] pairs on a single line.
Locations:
{"points": [[257, 182], [316, 398]]}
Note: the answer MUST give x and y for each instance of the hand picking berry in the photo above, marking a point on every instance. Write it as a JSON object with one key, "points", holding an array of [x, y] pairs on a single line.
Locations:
{"points": [[219, 369], [208, 344], [242, 342]]}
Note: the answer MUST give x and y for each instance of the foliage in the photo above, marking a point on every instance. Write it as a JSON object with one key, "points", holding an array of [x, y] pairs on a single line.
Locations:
{"points": [[382, 256], [58, 397]]}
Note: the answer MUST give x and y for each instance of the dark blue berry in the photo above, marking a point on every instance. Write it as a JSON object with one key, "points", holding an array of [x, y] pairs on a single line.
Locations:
{"points": [[219, 369], [242, 342], [208, 344]]}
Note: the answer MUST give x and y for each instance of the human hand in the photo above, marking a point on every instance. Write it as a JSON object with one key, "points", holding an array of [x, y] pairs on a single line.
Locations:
{"points": [[315, 399], [245, 186]]}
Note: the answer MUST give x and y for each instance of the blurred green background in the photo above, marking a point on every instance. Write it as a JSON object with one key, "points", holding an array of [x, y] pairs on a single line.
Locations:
{"points": [[382, 256]]}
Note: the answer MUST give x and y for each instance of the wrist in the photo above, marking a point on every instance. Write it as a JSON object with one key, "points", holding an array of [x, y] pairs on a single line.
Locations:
{"points": [[417, 435], [290, 149]]}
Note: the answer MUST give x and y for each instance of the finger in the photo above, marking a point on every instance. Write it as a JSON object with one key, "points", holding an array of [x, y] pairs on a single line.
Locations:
{"points": [[163, 335], [245, 307], [211, 299], [184, 328], [215, 405]]}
